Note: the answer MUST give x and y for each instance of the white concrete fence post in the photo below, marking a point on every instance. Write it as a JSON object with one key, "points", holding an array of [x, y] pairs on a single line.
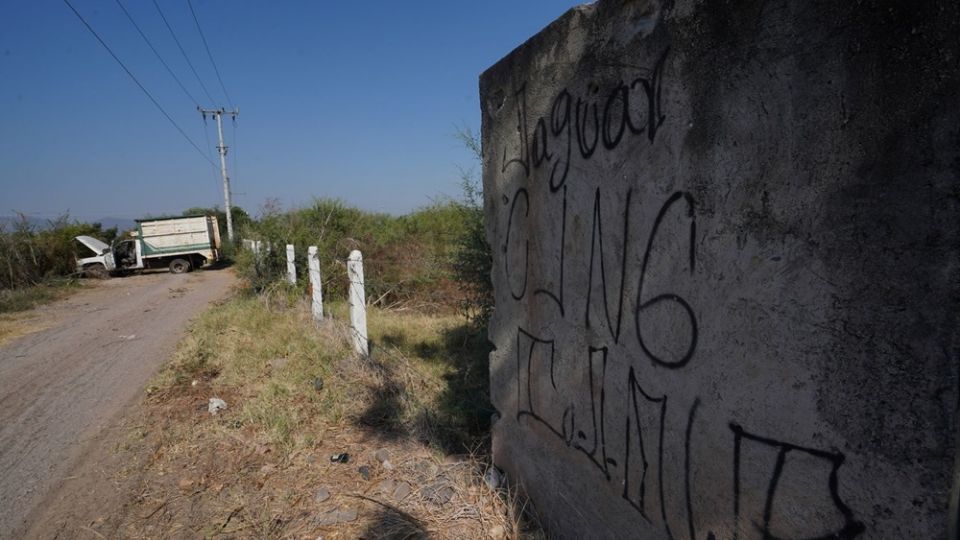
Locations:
{"points": [[257, 254], [313, 265], [291, 267], [358, 303]]}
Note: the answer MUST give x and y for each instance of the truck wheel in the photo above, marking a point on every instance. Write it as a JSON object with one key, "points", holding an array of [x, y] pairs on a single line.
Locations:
{"points": [[96, 271], [179, 266]]}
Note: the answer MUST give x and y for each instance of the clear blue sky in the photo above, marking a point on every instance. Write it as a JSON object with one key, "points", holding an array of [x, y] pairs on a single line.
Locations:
{"points": [[354, 100]]}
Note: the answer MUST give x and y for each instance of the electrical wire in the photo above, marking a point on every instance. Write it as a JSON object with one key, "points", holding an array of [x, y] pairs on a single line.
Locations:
{"points": [[130, 74], [210, 56], [160, 58], [183, 52]]}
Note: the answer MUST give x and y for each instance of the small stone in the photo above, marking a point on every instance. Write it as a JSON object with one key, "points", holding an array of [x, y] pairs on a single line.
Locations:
{"points": [[497, 531], [335, 516], [364, 472], [318, 384], [382, 455], [493, 478], [386, 486], [321, 495], [350, 514], [185, 483], [439, 493], [427, 468], [268, 468], [403, 489], [387, 465]]}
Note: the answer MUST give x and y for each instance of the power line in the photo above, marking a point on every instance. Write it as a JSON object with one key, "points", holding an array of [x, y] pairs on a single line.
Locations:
{"points": [[160, 58], [183, 52], [205, 46], [145, 91]]}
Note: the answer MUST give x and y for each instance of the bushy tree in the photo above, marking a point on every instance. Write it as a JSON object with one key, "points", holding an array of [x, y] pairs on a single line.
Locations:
{"points": [[473, 261], [31, 255]]}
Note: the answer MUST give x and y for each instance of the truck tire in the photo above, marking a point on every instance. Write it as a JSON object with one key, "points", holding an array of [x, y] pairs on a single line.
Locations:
{"points": [[96, 271], [179, 266]]}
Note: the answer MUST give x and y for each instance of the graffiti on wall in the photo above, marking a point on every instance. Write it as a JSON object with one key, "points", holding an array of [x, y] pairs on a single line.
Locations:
{"points": [[589, 396]]}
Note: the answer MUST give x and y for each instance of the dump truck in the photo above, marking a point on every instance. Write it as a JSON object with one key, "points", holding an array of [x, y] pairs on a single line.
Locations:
{"points": [[180, 244]]}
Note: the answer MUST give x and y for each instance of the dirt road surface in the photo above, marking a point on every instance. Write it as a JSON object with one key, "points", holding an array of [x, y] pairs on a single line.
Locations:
{"points": [[63, 387]]}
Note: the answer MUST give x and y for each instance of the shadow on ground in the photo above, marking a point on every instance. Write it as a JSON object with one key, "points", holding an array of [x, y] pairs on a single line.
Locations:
{"points": [[458, 421], [391, 523]]}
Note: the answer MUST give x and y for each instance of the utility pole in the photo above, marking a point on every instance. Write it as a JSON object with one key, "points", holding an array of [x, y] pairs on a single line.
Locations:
{"points": [[218, 113]]}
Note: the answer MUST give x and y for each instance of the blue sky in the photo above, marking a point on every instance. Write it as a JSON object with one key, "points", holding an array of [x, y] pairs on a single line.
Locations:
{"points": [[353, 100]]}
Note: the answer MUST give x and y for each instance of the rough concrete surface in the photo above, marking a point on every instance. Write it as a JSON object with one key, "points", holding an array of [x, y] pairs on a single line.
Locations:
{"points": [[62, 388], [725, 241]]}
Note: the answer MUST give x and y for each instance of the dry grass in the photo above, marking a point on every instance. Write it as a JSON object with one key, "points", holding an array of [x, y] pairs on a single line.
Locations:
{"points": [[26, 298], [14, 325], [18, 307], [262, 467]]}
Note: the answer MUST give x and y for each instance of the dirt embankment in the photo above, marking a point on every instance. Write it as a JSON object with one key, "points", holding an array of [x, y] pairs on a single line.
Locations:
{"points": [[64, 389]]}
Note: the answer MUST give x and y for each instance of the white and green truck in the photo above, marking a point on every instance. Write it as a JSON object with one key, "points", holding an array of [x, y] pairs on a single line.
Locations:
{"points": [[180, 244]]}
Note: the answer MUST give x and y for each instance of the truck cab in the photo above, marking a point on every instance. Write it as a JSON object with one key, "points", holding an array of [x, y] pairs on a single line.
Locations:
{"points": [[100, 264]]}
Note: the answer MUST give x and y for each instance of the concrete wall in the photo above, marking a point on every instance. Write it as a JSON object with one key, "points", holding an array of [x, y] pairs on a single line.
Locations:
{"points": [[725, 241]]}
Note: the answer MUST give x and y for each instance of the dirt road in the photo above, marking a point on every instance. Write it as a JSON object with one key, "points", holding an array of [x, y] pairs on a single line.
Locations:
{"points": [[62, 387]]}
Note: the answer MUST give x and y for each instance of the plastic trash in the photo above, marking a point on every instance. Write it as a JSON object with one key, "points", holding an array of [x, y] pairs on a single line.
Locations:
{"points": [[216, 405]]}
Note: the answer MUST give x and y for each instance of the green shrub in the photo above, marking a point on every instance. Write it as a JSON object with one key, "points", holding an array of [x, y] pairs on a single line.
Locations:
{"points": [[435, 258], [407, 259], [473, 261]]}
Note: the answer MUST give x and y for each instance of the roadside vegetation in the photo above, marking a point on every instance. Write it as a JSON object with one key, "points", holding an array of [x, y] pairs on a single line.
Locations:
{"points": [[38, 264], [412, 419], [407, 259], [432, 260]]}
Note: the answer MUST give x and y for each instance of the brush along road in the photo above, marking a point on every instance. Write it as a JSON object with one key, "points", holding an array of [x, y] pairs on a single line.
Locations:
{"points": [[65, 386]]}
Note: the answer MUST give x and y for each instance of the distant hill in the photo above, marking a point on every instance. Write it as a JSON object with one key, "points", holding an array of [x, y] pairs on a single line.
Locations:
{"points": [[8, 222]]}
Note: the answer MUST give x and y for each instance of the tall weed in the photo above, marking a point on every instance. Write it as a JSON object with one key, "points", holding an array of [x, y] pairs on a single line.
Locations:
{"points": [[407, 259], [29, 256]]}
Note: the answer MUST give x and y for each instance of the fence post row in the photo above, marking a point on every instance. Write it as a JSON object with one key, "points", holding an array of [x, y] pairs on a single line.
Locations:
{"points": [[313, 266], [291, 267], [358, 303]]}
